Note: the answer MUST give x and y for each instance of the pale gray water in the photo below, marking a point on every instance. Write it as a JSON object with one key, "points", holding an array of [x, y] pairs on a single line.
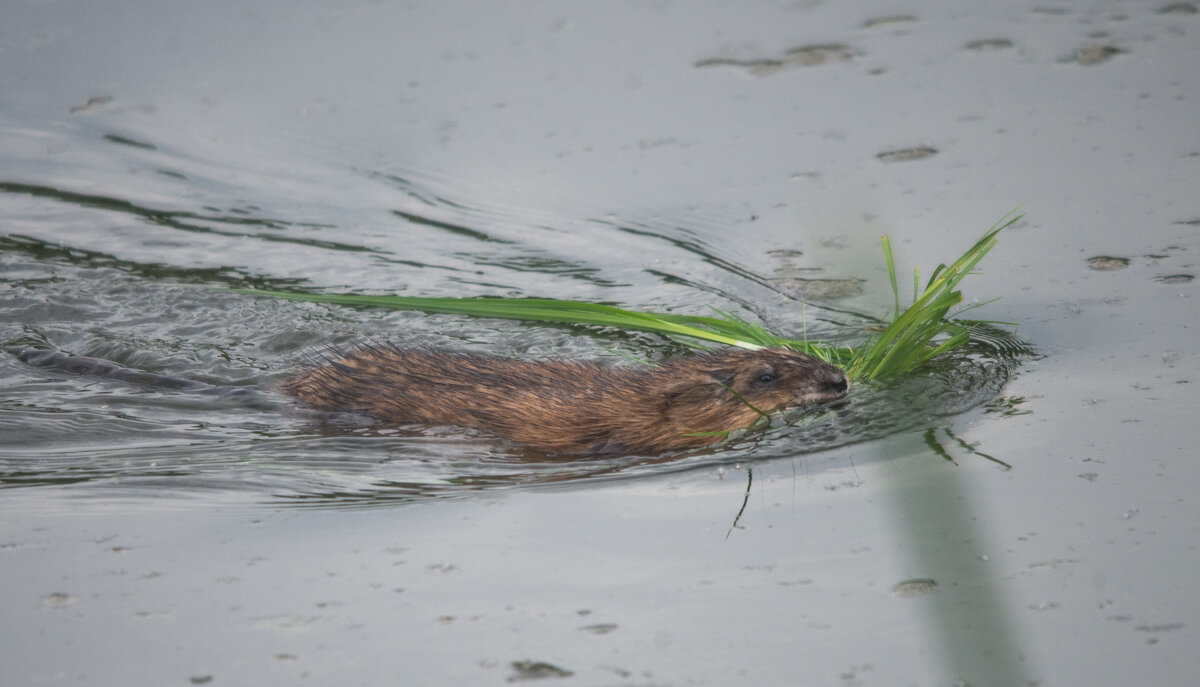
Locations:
{"points": [[656, 155]]}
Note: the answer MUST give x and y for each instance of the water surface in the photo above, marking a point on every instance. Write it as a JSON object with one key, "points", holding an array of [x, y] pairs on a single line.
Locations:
{"points": [[1002, 518]]}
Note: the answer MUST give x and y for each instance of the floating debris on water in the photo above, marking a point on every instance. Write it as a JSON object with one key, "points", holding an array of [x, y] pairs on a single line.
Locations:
{"points": [[93, 102], [989, 45], [889, 21], [536, 670], [1174, 279], [915, 587], [1106, 263], [1094, 54], [803, 56], [906, 154]]}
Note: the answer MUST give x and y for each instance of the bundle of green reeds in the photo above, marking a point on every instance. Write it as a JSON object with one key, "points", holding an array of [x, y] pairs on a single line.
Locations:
{"points": [[923, 330]]}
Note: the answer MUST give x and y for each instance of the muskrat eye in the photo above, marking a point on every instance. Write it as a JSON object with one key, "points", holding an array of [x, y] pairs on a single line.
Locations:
{"points": [[766, 378]]}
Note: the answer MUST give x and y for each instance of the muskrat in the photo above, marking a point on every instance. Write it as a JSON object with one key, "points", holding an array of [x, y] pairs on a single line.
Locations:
{"points": [[560, 406]]}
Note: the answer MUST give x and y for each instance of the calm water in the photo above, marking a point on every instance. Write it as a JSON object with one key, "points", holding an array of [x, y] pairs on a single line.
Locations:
{"points": [[649, 155]]}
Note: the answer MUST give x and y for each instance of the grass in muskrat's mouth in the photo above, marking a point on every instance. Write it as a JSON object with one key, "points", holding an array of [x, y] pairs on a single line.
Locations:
{"points": [[919, 333], [925, 329]]}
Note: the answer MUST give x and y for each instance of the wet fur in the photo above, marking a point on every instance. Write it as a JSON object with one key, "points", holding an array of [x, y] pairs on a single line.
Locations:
{"points": [[560, 406]]}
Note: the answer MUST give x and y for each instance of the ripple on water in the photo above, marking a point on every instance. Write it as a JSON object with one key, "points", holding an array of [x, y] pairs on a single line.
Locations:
{"points": [[141, 281]]}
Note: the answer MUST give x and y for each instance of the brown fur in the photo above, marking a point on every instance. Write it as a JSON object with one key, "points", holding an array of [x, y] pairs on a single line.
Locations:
{"points": [[572, 407]]}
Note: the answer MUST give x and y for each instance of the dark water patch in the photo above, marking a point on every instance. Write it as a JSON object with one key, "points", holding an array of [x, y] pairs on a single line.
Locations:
{"points": [[179, 219], [517, 255], [1178, 8], [452, 228], [1175, 279], [891, 20], [803, 56], [59, 361], [907, 154], [414, 190], [548, 265], [125, 141], [686, 241], [62, 253], [989, 45]]}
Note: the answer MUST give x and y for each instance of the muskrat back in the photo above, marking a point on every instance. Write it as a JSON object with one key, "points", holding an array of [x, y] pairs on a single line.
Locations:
{"points": [[571, 407]]}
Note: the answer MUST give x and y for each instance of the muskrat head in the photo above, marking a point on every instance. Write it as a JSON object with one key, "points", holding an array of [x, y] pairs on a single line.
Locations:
{"points": [[729, 382], [773, 379]]}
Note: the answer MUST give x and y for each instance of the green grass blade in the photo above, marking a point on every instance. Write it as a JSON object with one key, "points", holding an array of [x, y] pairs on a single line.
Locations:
{"points": [[915, 335], [728, 330], [908, 341], [889, 261]]}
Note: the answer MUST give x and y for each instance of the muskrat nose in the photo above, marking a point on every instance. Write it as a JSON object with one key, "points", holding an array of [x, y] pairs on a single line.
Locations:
{"points": [[834, 382], [838, 385]]}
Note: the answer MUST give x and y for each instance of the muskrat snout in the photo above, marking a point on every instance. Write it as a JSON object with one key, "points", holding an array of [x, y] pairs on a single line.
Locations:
{"points": [[828, 384]]}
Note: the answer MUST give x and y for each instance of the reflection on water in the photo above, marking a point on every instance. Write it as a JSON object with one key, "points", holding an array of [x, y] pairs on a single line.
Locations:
{"points": [[172, 388]]}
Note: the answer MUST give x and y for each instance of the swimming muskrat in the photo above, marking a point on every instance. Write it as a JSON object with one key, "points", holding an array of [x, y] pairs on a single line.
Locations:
{"points": [[560, 406]]}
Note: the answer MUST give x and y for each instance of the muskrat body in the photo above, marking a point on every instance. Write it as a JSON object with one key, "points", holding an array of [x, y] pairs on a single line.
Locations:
{"points": [[560, 406]]}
